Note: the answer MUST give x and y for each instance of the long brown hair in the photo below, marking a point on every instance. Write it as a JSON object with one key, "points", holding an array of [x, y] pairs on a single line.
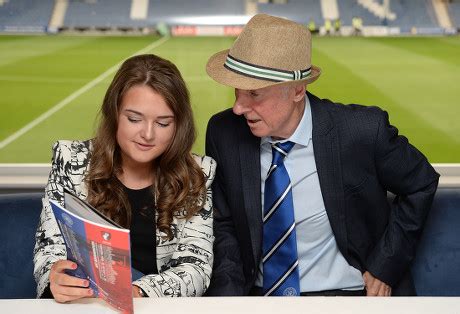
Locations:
{"points": [[179, 182]]}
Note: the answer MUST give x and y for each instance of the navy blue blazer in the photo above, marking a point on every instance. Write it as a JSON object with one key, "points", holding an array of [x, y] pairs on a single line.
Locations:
{"points": [[359, 158]]}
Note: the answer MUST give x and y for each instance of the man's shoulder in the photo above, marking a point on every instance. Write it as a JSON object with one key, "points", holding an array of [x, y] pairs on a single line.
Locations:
{"points": [[350, 108], [225, 123], [224, 117], [351, 111]]}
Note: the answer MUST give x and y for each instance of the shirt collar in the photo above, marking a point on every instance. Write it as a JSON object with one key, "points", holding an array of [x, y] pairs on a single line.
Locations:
{"points": [[302, 133]]}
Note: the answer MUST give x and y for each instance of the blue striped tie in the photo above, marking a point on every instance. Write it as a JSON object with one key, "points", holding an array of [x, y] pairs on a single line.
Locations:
{"points": [[281, 271]]}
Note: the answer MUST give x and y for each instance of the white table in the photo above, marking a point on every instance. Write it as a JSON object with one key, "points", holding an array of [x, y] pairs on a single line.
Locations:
{"points": [[254, 305]]}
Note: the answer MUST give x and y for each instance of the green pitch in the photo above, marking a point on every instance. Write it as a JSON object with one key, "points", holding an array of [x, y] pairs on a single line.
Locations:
{"points": [[415, 79]]}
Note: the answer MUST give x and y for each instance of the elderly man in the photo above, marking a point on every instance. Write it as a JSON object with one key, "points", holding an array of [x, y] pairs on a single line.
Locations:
{"points": [[301, 185]]}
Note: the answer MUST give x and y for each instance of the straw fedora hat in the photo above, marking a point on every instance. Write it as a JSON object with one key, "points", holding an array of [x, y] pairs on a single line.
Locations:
{"points": [[269, 51]]}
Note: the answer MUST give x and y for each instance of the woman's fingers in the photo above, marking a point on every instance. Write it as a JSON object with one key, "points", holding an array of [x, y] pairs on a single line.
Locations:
{"points": [[67, 294], [67, 288], [63, 279]]}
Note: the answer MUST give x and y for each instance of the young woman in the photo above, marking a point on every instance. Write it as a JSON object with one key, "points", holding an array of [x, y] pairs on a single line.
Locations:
{"points": [[139, 171]]}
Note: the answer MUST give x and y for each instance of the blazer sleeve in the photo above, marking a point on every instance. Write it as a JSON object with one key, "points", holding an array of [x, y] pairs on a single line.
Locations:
{"points": [[190, 267], [404, 171], [49, 244], [228, 277]]}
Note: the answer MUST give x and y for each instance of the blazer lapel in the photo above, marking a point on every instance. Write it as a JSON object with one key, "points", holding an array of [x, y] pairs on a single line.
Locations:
{"points": [[249, 150], [327, 157]]}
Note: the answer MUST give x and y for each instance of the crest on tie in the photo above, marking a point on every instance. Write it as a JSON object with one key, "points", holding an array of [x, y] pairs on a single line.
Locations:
{"points": [[290, 292]]}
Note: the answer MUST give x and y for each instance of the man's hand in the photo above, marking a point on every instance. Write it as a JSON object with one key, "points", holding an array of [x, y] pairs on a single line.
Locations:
{"points": [[67, 288], [375, 287], [137, 292]]}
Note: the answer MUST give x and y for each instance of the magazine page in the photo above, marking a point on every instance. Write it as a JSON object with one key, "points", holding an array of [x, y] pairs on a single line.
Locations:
{"points": [[102, 252], [85, 210]]}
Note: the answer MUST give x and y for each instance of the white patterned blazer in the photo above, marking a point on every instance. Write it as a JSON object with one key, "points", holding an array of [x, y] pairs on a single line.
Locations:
{"points": [[184, 263]]}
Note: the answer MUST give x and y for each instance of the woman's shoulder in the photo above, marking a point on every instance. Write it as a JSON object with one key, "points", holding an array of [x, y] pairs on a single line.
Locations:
{"points": [[69, 165], [75, 151], [72, 146], [207, 165]]}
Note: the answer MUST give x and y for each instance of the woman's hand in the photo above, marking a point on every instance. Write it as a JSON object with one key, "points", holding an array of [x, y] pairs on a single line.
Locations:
{"points": [[67, 288]]}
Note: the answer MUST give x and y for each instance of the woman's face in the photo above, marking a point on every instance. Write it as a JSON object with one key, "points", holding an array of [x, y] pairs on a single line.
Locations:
{"points": [[145, 126]]}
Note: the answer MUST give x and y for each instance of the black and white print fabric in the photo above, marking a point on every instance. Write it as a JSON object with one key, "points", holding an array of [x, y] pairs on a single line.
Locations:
{"points": [[184, 263]]}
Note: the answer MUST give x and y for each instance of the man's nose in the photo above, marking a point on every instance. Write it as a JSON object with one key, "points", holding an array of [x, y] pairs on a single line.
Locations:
{"points": [[240, 106]]}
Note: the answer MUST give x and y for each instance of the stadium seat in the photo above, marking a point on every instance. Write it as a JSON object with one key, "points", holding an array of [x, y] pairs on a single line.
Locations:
{"points": [[435, 269], [437, 264], [19, 219]]}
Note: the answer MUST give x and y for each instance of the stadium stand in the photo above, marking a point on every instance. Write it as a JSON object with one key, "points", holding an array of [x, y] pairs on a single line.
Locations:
{"points": [[435, 269], [413, 14], [408, 13], [100, 13], [454, 9], [116, 13], [173, 11], [350, 8], [25, 15], [300, 11]]}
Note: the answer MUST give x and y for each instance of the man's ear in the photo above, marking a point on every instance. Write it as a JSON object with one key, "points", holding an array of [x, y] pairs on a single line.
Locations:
{"points": [[299, 92]]}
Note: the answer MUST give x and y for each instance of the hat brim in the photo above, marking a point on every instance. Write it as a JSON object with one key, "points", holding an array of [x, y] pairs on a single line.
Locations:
{"points": [[216, 70]]}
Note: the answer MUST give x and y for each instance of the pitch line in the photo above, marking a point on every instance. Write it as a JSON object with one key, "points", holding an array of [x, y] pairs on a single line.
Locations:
{"points": [[40, 79], [75, 95]]}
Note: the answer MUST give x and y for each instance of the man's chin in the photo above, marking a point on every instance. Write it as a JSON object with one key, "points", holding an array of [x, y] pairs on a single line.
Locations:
{"points": [[258, 132]]}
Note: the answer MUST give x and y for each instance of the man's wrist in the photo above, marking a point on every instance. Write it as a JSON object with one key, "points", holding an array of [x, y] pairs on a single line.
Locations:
{"points": [[141, 292]]}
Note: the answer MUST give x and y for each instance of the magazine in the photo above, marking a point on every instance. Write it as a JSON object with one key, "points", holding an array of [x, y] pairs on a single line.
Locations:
{"points": [[100, 247]]}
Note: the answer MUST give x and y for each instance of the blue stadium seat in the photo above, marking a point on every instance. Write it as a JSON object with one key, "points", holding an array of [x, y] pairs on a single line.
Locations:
{"points": [[19, 219], [437, 264]]}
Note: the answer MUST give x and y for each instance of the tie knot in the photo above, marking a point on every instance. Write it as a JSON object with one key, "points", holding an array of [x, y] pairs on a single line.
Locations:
{"points": [[281, 150]]}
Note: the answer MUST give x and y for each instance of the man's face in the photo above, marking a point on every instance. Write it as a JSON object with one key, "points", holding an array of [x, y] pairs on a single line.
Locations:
{"points": [[271, 111]]}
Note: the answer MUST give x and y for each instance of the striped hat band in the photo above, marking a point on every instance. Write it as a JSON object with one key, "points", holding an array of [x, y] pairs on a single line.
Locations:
{"points": [[264, 73]]}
